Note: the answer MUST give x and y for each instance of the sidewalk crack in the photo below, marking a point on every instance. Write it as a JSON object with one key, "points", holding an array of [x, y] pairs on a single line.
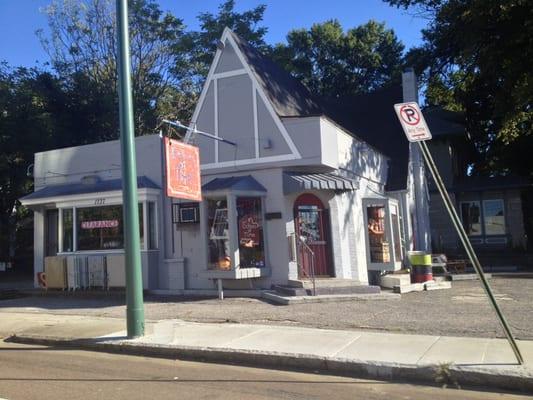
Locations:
{"points": [[428, 349], [346, 345]]}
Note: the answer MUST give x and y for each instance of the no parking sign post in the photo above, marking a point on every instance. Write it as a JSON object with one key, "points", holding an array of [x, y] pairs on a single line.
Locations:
{"points": [[416, 130]]}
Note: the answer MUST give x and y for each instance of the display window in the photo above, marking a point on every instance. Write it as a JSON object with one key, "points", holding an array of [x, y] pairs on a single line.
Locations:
{"points": [[235, 232], [379, 245], [68, 229], [102, 228], [218, 228], [383, 232], [250, 232]]}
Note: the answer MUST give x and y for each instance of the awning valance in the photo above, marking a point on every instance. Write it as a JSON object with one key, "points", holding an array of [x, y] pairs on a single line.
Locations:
{"points": [[296, 182], [238, 183], [77, 188]]}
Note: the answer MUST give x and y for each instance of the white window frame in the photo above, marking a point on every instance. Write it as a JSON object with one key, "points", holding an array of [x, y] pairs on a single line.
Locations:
{"points": [[235, 272], [392, 265], [113, 198]]}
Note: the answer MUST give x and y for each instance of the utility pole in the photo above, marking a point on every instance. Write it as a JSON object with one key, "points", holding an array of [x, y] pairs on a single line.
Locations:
{"points": [[420, 205], [132, 246]]}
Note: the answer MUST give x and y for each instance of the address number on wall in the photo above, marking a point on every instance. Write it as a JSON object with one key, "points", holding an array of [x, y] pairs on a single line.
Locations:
{"points": [[99, 202]]}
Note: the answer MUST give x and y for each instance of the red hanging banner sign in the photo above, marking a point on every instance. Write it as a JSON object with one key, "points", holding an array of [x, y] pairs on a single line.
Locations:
{"points": [[183, 170]]}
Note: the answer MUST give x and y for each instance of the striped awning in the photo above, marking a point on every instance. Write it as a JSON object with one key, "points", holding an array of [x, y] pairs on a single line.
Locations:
{"points": [[297, 182]]}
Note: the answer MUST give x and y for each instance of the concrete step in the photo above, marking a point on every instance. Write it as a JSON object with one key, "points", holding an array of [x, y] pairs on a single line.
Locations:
{"points": [[323, 282], [6, 294], [286, 290]]}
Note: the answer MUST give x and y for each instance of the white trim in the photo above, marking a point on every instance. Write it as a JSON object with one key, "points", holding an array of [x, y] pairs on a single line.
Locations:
{"points": [[213, 77], [74, 229], [229, 74], [145, 224], [60, 230], [256, 123], [248, 161], [203, 94], [215, 115], [255, 84]]}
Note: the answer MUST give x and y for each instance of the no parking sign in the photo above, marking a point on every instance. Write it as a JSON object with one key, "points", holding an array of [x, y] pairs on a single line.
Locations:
{"points": [[412, 121]]}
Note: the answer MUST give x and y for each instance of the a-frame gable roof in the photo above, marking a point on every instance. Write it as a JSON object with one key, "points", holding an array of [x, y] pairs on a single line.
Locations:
{"points": [[288, 96]]}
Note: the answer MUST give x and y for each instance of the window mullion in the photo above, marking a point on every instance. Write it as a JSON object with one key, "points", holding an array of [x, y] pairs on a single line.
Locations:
{"points": [[233, 230]]}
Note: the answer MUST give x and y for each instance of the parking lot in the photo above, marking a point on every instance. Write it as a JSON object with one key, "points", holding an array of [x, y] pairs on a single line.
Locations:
{"points": [[463, 310]]}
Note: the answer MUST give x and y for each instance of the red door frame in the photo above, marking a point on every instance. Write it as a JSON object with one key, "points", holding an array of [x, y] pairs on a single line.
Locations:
{"points": [[320, 242]]}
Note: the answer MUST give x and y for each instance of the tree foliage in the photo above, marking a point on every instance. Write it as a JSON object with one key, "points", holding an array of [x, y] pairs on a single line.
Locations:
{"points": [[476, 56], [333, 63], [82, 48]]}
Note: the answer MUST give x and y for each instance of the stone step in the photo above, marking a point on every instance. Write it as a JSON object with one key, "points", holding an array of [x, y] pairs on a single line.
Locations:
{"points": [[327, 290], [6, 294], [323, 282]]}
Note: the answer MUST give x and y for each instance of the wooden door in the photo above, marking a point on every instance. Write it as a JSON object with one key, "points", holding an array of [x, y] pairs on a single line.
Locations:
{"points": [[312, 224]]}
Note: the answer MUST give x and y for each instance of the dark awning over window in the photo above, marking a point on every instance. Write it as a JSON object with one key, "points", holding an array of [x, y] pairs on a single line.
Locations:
{"points": [[98, 186], [296, 182], [244, 183]]}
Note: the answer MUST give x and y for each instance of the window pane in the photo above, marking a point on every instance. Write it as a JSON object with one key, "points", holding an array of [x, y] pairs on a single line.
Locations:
{"points": [[494, 217], [152, 242], [51, 233], [68, 231], [379, 247], [250, 224], [217, 225], [396, 233], [470, 214], [101, 228]]}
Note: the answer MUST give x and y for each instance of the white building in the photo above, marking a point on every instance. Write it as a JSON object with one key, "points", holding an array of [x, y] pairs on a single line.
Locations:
{"points": [[335, 176]]}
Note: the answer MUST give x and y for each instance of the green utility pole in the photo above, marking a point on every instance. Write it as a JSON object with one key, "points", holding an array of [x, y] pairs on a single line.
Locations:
{"points": [[132, 245]]}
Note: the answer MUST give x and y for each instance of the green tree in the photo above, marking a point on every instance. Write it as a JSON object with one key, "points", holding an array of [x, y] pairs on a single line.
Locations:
{"points": [[31, 103], [82, 48], [476, 57], [245, 24], [335, 63]]}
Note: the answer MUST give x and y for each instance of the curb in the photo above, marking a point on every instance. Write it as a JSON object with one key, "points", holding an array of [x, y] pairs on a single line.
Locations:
{"points": [[517, 379]]}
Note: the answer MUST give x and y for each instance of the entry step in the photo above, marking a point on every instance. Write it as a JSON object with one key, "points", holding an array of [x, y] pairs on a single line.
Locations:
{"points": [[324, 289]]}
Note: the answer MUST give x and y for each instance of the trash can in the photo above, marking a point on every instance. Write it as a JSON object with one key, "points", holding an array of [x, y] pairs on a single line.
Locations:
{"points": [[421, 270]]}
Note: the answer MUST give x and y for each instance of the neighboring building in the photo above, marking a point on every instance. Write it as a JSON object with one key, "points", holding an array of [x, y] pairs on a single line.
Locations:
{"points": [[333, 178], [491, 208]]}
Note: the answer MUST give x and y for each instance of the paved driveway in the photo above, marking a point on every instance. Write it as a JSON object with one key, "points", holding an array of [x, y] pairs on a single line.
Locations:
{"points": [[461, 311]]}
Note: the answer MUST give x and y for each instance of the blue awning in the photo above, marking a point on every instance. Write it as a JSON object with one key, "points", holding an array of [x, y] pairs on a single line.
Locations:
{"points": [[98, 186], [243, 183]]}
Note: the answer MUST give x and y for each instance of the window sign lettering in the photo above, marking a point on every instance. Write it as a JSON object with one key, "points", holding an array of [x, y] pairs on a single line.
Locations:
{"points": [[112, 223]]}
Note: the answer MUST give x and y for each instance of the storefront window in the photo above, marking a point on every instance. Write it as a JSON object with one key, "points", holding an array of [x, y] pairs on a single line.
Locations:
{"points": [[396, 233], [250, 229], [217, 225], [68, 230], [471, 217], [494, 219], [101, 228], [379, 247], [152, 238]]}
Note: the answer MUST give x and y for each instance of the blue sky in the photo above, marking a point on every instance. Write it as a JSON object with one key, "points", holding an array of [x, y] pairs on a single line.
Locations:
{"points": [[19, 19]]}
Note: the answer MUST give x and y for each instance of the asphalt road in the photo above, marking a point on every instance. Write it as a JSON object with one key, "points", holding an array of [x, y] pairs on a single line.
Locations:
{"points": [[35, 372], [461, 311]]}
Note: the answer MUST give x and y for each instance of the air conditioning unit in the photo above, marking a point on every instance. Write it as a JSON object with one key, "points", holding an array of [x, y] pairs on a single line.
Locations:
{"points": [[186, 213]]}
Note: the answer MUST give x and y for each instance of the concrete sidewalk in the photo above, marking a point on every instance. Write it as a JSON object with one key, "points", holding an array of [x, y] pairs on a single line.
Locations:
{"points": [[452, 360]]}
